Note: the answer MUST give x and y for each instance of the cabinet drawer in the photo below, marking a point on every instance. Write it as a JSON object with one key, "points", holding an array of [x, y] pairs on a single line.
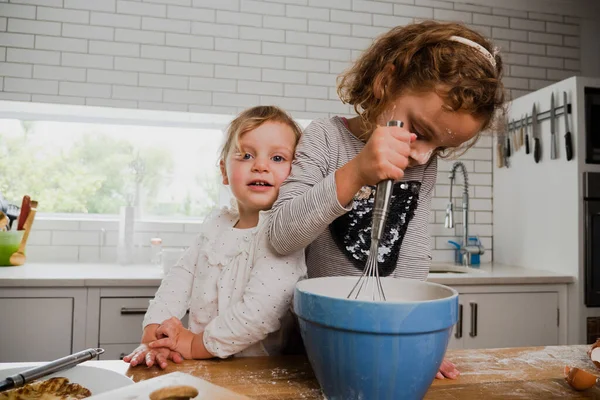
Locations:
{"points": [[121, 319], [116, 351]]}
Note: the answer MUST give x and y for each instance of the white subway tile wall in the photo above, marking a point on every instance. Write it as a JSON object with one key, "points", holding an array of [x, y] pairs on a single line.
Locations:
{"points": [[222, 56]]}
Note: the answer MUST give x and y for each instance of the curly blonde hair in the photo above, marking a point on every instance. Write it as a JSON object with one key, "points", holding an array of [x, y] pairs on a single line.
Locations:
{"points": [[421, 57], [251, 119]]}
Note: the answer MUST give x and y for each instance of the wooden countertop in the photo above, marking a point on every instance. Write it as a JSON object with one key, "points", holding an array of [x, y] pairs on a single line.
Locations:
{"points": [[512, 373]]}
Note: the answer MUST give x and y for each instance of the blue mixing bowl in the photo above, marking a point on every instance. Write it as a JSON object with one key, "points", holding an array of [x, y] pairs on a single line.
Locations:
{"points": [[361, 349]]}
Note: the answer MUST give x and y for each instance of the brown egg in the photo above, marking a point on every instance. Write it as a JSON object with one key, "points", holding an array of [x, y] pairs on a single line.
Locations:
{"points": [[579, 379]]}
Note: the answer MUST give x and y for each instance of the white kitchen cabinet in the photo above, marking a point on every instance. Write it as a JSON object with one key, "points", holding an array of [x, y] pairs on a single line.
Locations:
{"points": [[40, 325], [25, 321], [510, 318], [70, 319], [120, 314]]}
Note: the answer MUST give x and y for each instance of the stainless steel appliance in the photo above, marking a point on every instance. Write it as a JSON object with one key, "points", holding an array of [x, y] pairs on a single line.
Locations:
{"points": [[592, 124], [591, 199]]}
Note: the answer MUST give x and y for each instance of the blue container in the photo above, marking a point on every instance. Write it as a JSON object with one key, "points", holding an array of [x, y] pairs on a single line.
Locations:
{"points": [[375, 350], [474, 261]]}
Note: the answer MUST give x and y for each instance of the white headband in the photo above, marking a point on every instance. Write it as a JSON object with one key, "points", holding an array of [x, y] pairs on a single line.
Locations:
{"points": [[477, 47]]}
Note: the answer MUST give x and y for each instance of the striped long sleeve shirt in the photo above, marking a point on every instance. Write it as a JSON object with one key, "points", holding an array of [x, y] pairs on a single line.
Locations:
{"points": [[307, 207]]}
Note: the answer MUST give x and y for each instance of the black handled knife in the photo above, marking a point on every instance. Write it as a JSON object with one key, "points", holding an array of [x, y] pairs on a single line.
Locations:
{"points": [[537, 147], [553, 153], [568, 140], [508, 144], [524, 125]]}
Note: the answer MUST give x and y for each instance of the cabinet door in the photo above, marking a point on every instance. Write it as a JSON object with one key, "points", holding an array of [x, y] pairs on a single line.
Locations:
{"points": [[35, 329], [495, 320]]}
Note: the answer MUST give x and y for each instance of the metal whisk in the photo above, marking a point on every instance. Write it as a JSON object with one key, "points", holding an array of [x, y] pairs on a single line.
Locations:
{"points": [[370, 277]]}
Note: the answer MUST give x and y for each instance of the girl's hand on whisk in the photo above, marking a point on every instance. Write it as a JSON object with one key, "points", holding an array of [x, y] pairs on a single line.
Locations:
{"points": [[447, 370], [385, 156]]}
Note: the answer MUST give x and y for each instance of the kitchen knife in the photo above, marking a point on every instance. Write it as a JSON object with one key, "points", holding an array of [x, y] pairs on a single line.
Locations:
{"points": [[25, 208], [513, 138], [24, 377], [521, 133], [537, 149], [552, 129], [507, 148], [520, 140], [524, 122], [499, 154], [524, 125], [568, 141], [517, 136], [518, 133], [504, 142]]}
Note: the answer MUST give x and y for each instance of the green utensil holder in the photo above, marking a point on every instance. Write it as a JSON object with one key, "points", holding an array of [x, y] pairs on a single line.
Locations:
{"points": [[9, 243]]}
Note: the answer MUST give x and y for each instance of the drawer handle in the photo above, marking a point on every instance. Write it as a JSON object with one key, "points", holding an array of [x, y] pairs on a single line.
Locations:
{"points": [[137, 311], [473, 332], [122, 356], [133, 311], [459, 326]]}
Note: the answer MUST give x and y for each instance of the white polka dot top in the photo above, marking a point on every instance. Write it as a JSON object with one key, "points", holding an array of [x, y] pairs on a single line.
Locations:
{"points": [[236, 287]]}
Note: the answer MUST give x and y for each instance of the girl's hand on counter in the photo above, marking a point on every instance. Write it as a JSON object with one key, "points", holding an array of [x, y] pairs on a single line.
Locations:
{"points": [[173, 335], [145, 355], [447, 370]]}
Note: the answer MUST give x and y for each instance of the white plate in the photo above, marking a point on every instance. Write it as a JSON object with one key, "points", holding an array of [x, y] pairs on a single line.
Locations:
{"points": [[97, 380]]}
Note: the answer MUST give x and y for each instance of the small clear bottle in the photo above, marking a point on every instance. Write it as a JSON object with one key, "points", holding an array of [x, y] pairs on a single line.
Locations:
{"points": [[156, 251]]}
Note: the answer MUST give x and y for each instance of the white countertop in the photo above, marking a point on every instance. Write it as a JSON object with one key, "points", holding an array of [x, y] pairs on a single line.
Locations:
{"points": [[80, 275], [496, 274], [115, 275]]}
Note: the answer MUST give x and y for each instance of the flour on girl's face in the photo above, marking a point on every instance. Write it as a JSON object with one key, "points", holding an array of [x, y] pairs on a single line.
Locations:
{"points": [[420, 158], [423, 157]]}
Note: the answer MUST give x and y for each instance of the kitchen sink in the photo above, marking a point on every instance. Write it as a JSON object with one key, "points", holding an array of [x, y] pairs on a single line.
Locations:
{"points": [[449, 269]]}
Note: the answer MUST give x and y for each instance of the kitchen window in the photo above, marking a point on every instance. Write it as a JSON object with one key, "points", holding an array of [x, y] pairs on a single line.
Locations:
{"points": [[74, 165]]}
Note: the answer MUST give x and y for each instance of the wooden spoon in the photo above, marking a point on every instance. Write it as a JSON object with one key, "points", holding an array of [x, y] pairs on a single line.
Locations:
{"points": [[18, 257], [25, 207]]}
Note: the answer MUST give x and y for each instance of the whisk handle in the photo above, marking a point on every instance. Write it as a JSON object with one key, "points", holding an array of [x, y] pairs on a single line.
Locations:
{"points": [[381, 209], [383, 196]]}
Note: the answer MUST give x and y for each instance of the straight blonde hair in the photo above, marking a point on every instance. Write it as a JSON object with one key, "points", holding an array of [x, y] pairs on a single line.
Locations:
{"points": [[251, 119]]}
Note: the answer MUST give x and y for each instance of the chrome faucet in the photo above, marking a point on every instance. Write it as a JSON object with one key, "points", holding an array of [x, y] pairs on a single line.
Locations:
{"points": [[466, 250]]}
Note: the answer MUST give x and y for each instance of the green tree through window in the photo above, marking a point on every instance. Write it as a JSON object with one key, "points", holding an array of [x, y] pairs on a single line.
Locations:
{"points": [[95, 173]]}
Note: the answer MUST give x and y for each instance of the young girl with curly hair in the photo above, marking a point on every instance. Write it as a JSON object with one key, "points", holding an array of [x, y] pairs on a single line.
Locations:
{"points": [[443, 81]]}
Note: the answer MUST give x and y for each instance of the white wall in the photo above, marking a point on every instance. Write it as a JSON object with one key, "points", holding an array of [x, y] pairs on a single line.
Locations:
{"points": [[220, 56]]}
